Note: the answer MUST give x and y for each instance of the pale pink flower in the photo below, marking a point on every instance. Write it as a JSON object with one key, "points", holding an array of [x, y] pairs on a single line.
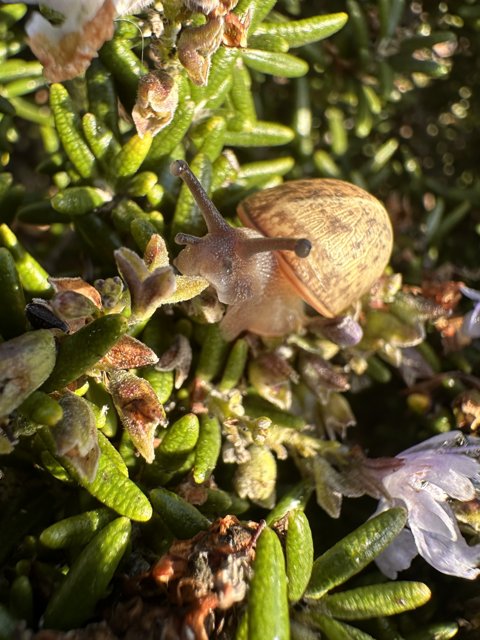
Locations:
{"points": [[433, 473]]}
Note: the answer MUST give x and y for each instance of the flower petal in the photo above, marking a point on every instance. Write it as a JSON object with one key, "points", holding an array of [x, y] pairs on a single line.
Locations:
{"points": [[398, 556], [471, 323], [472, 294], [453, 558]]}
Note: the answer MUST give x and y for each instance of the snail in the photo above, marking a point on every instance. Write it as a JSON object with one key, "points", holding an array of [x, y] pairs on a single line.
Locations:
{"points": [[320, 241]]}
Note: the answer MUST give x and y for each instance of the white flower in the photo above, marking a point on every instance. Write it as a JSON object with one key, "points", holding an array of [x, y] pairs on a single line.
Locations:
{"points": [[66, 35], [442, 468]]}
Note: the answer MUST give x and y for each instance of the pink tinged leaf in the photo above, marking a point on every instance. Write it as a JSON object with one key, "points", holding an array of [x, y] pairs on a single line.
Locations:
{"points": [[128, 353], [79, 286], [155, 290], [139, 410], [156, 253], [195, 47]]}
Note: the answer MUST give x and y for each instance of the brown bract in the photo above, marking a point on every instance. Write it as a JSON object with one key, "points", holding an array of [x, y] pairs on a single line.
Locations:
{"points": [[66, 56], [466, 408], [79, 286], [139, 409], [127, 353], [447, 294], [178, 358], [235, 30], [208, 572]]}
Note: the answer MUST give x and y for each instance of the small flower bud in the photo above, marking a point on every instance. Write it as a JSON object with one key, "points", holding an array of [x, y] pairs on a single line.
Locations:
{"points": [[256, 478], [76, 436], [157, 100], [111, 291], [271, 377]]}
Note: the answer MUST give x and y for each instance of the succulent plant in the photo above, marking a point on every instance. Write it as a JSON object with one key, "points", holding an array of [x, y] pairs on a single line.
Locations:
{"points": [[158, 479]]}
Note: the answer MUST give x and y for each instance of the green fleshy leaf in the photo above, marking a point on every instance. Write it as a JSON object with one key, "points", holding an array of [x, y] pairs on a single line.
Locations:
{"points": [[283, 65], [87, 581], [375, 600], [268, 615], [77, 201], [81, 350], [77, 530], [300, 32], [208, 448], [102, 96], [440, 631], [16, 68], [68, 129], [261, 134], [132, 155], [299, 554], [14, 322], [334, 629], [178, 443], [100, 139], [351, 554], [33, 277], [182, 518]]}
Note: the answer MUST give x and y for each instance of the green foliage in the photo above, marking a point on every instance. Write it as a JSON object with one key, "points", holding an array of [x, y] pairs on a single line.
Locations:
{"points": [[88, 576], [115, 380]]}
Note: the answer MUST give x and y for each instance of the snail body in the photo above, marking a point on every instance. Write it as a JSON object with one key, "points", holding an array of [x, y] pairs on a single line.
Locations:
{"points": [[320, 241]]}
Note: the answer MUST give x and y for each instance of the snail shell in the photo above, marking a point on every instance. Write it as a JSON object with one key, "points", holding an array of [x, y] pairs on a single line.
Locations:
{"points": [[350, 233]]}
